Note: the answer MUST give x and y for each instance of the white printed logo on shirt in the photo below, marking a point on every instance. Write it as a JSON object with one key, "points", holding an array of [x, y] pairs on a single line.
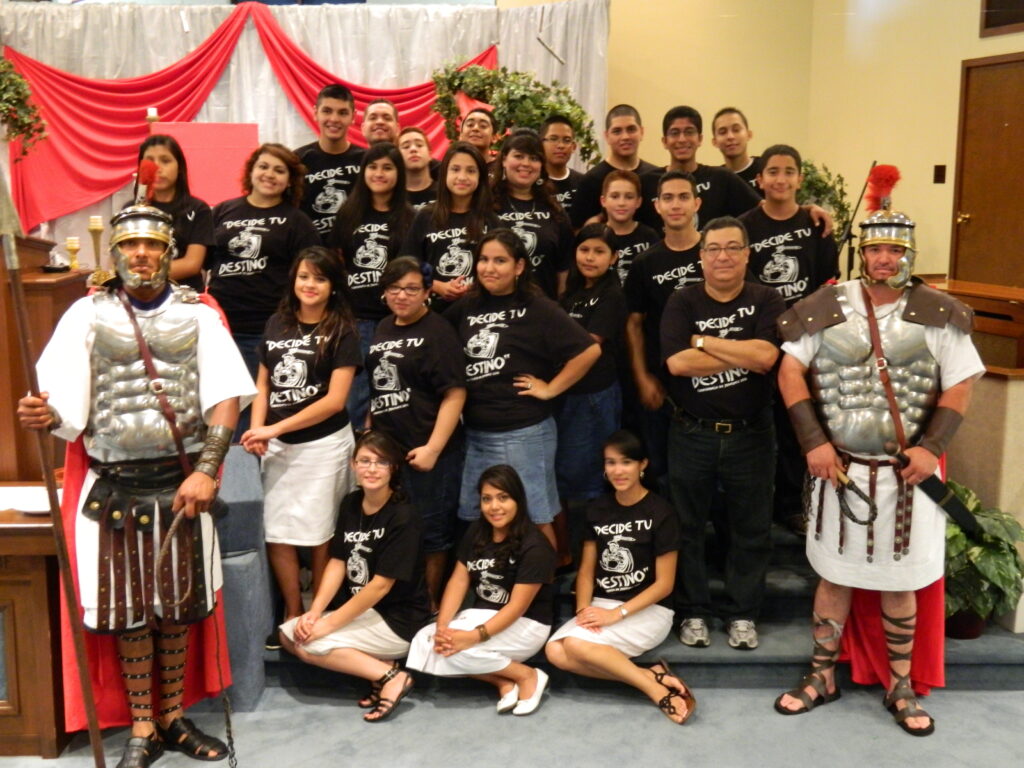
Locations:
{"points": [[356, 567], [245, 245], [489, 591], [331, 198], [385, 375], [616, 558], [457, 261], [781, 267]]}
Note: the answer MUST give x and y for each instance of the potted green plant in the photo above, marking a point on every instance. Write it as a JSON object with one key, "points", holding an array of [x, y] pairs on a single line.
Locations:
{"points": [[983, 576], [517, 99], [18, 115]]}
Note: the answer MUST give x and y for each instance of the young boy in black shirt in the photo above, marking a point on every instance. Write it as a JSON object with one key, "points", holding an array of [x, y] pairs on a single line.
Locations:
{"points": [[559, 140], [730, 133]]}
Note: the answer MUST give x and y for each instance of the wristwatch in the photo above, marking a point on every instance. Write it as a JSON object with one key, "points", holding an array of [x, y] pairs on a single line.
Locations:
{"points": [[700, 343]]}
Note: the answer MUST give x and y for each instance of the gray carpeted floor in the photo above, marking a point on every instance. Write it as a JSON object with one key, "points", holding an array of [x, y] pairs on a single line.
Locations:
{"points": [[454, 727]]}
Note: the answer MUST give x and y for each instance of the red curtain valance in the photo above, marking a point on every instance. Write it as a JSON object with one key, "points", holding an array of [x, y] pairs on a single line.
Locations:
{"points": [[94, 127]]}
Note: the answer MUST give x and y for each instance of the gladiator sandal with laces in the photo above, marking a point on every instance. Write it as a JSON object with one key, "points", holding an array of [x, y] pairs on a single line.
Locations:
{"points": [[822, 660], [899, 639]]}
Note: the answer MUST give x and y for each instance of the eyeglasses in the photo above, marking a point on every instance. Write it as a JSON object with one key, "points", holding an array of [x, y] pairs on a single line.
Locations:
{"points": [[689, 133], [365, 463], [733, 249], [563, 140], [408, 290]]}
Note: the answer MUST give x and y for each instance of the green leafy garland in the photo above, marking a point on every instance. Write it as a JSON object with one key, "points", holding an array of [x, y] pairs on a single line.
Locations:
{"points": [[517, 99], [19, 117]]}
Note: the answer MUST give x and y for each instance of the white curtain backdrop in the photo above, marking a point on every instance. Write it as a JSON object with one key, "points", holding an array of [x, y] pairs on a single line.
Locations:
{"points": [[375, 45]]}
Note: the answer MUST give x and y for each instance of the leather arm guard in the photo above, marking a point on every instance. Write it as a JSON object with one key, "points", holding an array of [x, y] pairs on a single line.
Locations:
{"points": [[941, 428], [218, 439], [809, 432]]}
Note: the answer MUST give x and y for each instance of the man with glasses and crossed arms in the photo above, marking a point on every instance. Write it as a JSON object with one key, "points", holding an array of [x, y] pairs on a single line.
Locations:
{"points": [[719, 343]]}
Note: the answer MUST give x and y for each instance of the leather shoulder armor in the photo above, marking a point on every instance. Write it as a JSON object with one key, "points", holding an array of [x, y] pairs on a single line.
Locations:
{"points": [[931, 307], [808, 316]]}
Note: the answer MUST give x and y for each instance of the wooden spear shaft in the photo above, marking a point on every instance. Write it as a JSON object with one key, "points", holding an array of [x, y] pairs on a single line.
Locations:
{"points": [[46, 461]]}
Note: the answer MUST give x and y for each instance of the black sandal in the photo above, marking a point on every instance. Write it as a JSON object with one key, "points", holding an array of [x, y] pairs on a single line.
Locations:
{"points": [[372, 699], [183, 736], [668, 708], [140, 752], [902, 691], [385, 707], [686, 694], [822, 659]]}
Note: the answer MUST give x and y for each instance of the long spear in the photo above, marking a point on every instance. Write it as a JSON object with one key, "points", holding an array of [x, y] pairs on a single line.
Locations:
{"points": [[9, 225]]}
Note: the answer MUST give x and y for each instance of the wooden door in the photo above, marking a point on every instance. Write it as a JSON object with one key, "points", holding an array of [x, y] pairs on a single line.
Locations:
{"points": [[988, 206]]}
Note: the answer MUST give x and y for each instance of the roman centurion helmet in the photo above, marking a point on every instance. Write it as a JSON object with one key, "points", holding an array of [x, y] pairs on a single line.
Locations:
{"points": [[886, 226], [141, 221]]}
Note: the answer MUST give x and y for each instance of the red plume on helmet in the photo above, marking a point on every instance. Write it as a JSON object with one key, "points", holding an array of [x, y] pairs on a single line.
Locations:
{"points": [[147, 175], [881, 181]]}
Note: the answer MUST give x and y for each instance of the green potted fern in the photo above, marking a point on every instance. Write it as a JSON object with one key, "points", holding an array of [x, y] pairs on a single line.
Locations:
{"points": [[985, 575]]}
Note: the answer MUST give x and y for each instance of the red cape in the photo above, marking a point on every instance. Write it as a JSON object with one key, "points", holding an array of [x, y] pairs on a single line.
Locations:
{"points": [[864, 641], [207, 639]]}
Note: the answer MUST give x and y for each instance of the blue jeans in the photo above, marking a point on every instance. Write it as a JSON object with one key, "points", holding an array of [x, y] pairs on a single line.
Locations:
{"points": [[742, 463], [436, 496], [584, 423], [249, 347], [530, 451], [359, 396]]}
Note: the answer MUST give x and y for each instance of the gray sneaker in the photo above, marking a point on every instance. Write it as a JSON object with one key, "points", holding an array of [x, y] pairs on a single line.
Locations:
{"points": [[742, 635], [694, 633]]}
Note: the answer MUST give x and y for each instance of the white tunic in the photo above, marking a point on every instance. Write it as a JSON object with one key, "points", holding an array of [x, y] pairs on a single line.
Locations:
{"points": [[958, 361], [65, 372]]}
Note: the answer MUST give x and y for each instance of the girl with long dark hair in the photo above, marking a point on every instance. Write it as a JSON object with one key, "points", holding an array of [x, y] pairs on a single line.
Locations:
{"points": [[525, 202], [368, 231], [445, 233], [624, 580], [377, 565], [193, 220], [521, 351], [308, 358], [509, 566]]}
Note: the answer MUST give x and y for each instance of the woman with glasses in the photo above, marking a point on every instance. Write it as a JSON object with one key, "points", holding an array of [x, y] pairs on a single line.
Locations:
{"points": [[417, 390], [377, 567]]}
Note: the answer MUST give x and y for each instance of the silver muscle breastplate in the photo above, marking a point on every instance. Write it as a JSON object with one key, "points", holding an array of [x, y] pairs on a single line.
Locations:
{"points": [[848, 391], [125, 420]]}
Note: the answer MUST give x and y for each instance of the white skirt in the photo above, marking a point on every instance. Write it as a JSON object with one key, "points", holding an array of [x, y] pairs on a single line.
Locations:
{"points": [[635, 634], [87, 555], [368, 633], [920, 567], [524, 638], [303, 485]]}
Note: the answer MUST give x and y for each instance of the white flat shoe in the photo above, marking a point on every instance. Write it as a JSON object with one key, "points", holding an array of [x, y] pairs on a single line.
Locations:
{"points": [[529, 706], [508, 702]]}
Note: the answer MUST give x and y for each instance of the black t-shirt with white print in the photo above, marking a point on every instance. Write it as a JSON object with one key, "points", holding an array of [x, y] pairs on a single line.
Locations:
{"points": [[749, 174], [193, 225], [502, 338], [492, 578], [790, 256], [736, 393], [449, 250], [601, 314], [389, 544], [300, 375], [653, 278], [366, 254], [421, 198], [252, 254], [629, 247], [587, 201], [547, 235], [566, 189], [411, 367], [629, 541], [329, 180], [721, 193]]}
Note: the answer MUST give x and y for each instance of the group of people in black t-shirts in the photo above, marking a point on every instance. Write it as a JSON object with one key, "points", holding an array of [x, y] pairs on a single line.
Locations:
{"points": [[487, 325]]}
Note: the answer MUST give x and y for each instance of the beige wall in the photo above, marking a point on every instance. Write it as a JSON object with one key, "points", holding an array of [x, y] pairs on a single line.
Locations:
{"points": [[805, 71]]}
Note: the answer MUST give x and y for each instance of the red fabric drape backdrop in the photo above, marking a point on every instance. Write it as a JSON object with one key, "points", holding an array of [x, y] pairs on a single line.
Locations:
{"points": [[96, 126]]}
